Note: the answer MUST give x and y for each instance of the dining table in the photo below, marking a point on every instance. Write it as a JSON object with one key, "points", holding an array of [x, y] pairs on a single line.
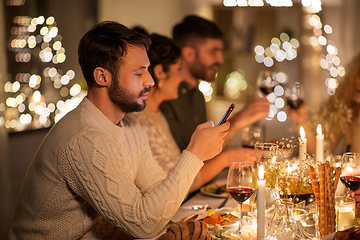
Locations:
{"points": [[202, 199]]}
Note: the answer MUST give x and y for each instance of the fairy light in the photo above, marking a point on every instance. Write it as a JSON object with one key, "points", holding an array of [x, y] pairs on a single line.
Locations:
{"points": [[280, 49], [25, 105]]}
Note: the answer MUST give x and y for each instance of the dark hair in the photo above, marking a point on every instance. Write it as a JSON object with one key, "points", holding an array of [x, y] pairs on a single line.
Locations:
{"points": [[104, 46], [140, 29], [162, 51], [194, 28]]}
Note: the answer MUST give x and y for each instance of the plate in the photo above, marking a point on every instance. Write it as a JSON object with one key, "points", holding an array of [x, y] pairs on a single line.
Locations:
{"points": [[210, 190], [232, 223]]}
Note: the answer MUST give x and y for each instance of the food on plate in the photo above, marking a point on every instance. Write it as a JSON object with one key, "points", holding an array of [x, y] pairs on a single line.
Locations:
{"points": [[216, 189], [186, 230], [350, 233], [221, 219], [200, 214], [219, 233]]}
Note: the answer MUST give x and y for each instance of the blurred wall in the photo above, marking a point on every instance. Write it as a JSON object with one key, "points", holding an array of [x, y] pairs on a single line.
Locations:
{"points": [[156, 15]]}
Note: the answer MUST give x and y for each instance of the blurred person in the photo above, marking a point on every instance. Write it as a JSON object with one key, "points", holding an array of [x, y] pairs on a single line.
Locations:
{"points": [[201, 44], [165, 69], [347, 95], [95, 164]]}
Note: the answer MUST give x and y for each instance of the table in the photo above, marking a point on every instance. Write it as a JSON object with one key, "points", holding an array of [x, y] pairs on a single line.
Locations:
{"points": [[200, 199]]}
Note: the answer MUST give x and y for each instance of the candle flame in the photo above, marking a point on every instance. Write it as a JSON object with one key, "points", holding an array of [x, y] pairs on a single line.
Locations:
{"points": [[302, 132], [261, 172], [319, 129]]}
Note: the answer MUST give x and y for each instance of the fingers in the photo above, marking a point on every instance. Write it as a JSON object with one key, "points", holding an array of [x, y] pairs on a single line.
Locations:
{"points": [[210, 124]]}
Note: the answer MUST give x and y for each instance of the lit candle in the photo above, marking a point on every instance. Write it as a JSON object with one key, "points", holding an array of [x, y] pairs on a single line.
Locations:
{"points": [[302, 146], [261, 204], [319, 145], [345, 213]]}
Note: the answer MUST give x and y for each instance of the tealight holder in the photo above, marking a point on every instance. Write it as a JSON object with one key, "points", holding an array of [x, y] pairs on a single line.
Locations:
{"points": [[345, 212]]}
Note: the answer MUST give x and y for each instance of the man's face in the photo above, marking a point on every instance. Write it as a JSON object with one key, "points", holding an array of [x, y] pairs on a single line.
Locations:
{"points": [[208, 57], [129, 89]]}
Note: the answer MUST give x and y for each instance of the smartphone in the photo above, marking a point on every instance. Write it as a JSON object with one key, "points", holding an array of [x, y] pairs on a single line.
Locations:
{"points": [[227, 114]]}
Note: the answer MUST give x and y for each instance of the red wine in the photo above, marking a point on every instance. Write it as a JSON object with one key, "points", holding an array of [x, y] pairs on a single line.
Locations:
{"points": [[351, 182], [241, 194], [295, 103], [267, 90]]}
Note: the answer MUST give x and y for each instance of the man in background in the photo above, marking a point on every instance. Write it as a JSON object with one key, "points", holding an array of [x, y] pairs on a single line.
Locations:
{"points": [[201, 44]]}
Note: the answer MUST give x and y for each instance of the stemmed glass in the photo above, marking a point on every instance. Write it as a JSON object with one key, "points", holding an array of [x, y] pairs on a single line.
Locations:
{"points": [[251, 135], [241, 185], [266, 82], [269, 155], [350, 173], [295, 95]]}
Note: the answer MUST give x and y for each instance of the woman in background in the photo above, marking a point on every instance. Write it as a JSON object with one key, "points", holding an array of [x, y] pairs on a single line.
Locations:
{"points": [[344, 126]]}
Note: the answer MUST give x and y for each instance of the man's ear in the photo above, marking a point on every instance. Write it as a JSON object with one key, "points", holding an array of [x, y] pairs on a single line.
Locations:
{"points": [[102, 76], [188, 53], [159, 72]]}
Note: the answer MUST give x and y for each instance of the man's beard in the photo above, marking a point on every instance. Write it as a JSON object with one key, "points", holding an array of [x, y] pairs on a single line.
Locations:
{"points": [[199, 70], [125, 101]]}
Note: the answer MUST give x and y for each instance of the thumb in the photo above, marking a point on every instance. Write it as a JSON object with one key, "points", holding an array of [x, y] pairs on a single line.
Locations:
{"points": [[208, 124]]}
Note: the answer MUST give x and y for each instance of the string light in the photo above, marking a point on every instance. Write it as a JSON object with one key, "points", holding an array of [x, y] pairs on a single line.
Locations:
{"points": [[280, 49], [25, 106]]}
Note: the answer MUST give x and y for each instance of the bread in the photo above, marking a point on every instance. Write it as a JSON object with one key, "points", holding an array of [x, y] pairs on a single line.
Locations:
{"points": [[192, 230], [324, 187], [348, 234]]}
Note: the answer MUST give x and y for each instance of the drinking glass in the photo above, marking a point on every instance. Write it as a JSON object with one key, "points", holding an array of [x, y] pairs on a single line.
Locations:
{"points": [[350, 172], [295, 95], [270, 156], [266, 82], [241, 185], [251, 135]]}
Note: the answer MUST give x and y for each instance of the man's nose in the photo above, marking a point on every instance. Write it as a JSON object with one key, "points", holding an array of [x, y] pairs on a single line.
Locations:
{"points": [[149, 81]]}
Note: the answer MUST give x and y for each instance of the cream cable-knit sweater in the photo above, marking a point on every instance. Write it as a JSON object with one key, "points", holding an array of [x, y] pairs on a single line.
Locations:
{"points": [[162, 144], [87, 166]]}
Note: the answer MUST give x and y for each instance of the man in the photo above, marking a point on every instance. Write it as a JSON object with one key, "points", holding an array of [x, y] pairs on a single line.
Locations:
{"points": [[201, 43], [95, 163]]}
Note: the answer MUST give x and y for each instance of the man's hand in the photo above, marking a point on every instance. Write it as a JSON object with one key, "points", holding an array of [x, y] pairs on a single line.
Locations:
{"points": [[207, 141], [252, 112]]}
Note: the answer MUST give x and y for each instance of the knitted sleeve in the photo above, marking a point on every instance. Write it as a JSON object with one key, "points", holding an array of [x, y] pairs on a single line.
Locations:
{"points": [[131, 195]]}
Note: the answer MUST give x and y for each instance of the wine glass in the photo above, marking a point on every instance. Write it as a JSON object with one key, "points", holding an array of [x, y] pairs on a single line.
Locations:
{"points": [[295, 95], [350, 172], [251, 135], [240, 185], [272, 158], [266, 82]]}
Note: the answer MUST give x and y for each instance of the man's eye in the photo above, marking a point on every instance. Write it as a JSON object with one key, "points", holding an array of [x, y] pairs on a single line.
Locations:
{"points": [[138, 74]]}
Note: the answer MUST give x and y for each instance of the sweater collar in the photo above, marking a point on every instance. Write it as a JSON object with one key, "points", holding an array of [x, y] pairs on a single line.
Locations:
{"points": [[100, 117]]}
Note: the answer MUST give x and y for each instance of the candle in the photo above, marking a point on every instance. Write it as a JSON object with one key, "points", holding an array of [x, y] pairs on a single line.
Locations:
{"points": [[261, 204], [319, 145], [345, 212], [302, 147]]}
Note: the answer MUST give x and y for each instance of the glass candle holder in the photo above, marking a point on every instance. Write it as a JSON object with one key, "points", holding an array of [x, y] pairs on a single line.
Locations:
{"points": [[345, 212]]}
